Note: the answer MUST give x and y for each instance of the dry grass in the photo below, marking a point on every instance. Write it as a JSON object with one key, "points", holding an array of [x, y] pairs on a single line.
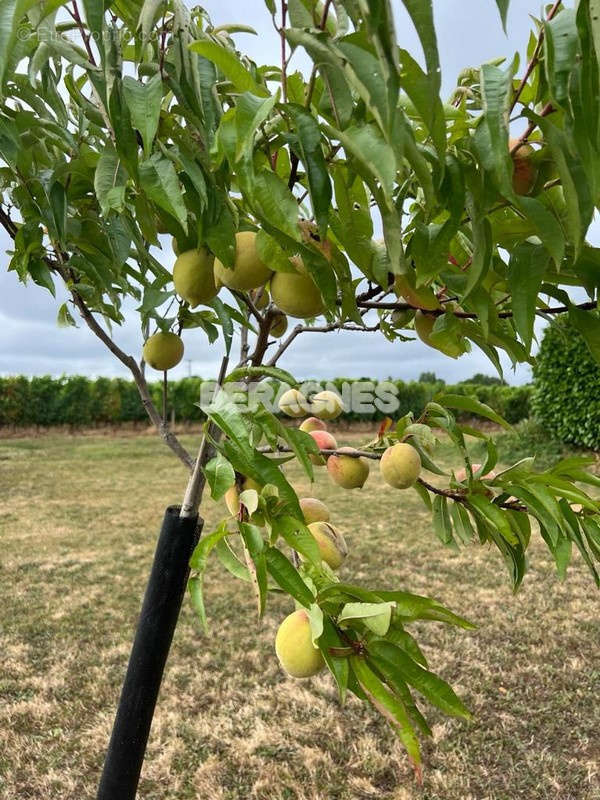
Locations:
{"points": [[79, 519]]}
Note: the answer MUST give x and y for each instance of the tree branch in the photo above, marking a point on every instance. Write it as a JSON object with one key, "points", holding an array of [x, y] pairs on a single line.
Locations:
{"points": [[140, 381], [60, 267], [534, 58], [332, 326], [458, 495], [197, 481], [394, 306]]}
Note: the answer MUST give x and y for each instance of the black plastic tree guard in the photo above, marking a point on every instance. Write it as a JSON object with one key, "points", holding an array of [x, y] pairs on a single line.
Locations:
{"points": [[156, 625]]}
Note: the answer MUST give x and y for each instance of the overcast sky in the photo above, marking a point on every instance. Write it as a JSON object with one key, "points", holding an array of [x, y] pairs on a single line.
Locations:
{"points": [[469, 33]]}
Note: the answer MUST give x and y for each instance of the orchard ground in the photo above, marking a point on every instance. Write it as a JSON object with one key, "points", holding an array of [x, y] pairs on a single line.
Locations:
{"points": [[79, 517]]}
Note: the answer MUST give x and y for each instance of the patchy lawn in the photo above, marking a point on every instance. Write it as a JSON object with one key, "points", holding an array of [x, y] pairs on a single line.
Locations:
{"points": [[79, 516]]}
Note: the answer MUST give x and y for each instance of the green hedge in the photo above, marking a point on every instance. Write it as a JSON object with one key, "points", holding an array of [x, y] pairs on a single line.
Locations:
{"points": [[566, 395], [79, 401]]}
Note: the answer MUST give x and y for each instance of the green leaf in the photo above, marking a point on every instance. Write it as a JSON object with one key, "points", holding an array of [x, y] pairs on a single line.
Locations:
{"points": [[527, 267], [574, 180], [462, 523], [496, 92], [547, 227], [338, 666], [230, 66], [220, 476], [393, 660], [299, 538], [275, 203], [277, 373], [58, 204], [375, 616], [398, 636], [494, 516], [562, 556], [197, 598], [144, 101], [109, 182], [94, 15], [368, 75], [375, 157], [411, 607], [473, 406], [147, 17], [441, 520], [220, 236], [250, 113], [38, 269], [421, 13], [389, 706], [311, 153], [231, 562], [125, 139], [10, 15], [198, 563], [202, 550], [254, 547], [160, 182], [588, 325], [423, 90], [561, 46], [288, 577], [503, 9], [338, 97]]}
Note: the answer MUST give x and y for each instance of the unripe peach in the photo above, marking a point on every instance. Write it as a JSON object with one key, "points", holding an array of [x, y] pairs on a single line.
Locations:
{"points": [[232, 495], [327, 405], [461, 474], [297, 294], [314, 510], [278, 325], [325, 441], [163, 350], [424, 327], [400, 465], [293, 403], [295, 650], [248, 271], [401, 319], [349, 472], [332, 544], [193, 276], [313, 424], [405, 286], [260, 298], [524, 172]]}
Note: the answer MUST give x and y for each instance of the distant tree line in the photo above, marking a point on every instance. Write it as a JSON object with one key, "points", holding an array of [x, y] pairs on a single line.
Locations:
{"points": [[79, 401]]}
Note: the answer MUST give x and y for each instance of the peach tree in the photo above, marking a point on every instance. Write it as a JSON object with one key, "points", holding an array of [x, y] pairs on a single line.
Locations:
{"points": [[347, 197]]}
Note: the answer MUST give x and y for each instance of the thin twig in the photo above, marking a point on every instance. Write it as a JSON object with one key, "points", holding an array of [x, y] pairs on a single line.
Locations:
{"points": [[547, 109], [458, 495], [165, 391], [60, 266], [533, 62], [343, 326], [438, 312]]}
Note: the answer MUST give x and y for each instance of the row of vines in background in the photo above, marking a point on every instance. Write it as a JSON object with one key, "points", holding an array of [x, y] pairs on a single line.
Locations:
{"points": [[81, 401]]}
